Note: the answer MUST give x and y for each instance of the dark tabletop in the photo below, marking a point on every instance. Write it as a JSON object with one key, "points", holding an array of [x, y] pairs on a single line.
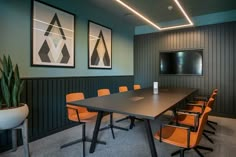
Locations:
{"points": [[140, 103]]}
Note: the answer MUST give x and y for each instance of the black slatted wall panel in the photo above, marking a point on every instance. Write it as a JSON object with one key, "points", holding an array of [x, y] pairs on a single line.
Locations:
{"points": [[46, 100], [219, 44]]}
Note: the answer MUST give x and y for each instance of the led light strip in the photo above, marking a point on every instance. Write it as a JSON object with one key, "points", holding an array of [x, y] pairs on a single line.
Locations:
{"points": [[155, 25], [140, 15]]}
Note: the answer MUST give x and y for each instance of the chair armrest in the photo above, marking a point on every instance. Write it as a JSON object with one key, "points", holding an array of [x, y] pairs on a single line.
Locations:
{"points": [[175, 126], [193, 104], [199, 105], [194, 114], [180, 127], [203, 98], [187, 111], [74, 108]]}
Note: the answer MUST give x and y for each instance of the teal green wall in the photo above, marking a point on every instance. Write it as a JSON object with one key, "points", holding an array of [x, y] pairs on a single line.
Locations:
{"points": [[15, 30]]}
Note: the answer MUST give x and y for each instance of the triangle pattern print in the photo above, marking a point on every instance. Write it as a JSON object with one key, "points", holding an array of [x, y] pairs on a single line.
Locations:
{"points": [[54, 48], [100, 51]]}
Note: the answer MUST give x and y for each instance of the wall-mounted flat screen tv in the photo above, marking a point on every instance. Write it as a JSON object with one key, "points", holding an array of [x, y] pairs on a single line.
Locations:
{"points": [[182, 62]]}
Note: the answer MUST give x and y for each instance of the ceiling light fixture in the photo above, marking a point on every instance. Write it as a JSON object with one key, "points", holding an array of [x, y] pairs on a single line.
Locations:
{"points": [[190, 23], [138, 14], [170, 7]]}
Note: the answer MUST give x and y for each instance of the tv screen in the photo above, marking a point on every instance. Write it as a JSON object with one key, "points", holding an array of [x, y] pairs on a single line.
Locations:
{"points": [[182, 62]]}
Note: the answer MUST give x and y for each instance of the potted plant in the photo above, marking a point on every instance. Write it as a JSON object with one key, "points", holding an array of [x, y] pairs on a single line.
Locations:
{"points": [[12, 112]]}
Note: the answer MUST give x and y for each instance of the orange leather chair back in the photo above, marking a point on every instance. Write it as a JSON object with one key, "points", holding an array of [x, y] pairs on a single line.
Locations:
{"points": [[210, 102], [137, 86], [103, 92], [213, 95], [123, 89], [202, 123], [72, 114], [215, 90]]}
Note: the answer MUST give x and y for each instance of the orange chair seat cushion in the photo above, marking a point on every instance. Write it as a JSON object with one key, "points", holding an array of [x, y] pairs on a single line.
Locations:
{"points": [[176, 136], [123, 89], [186, 119], [79, 108], [84, 117], [192, 108], [199, 102]]}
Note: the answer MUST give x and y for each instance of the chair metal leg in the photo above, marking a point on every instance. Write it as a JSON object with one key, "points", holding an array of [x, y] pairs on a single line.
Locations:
{"points": [[83, 140], [198, 152], [132, 119], [205, 148], [138, 119], [208, 131], [71, 143], [111, 126], [211, 126], [182, 153], [208, 138], [209, 121], [179, 151], [122, 119], [175, 153]]}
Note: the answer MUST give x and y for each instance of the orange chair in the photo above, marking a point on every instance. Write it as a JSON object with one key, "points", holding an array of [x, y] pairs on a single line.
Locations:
{"points": [[137, 86], [183, 137], [132, 118], [123, 89], [80, 115], [104, 92], [186, 119], [201, 100], [198, 106]]}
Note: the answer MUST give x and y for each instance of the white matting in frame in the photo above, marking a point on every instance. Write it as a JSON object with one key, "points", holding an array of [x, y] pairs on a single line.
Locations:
{"points": [[53, 36]]}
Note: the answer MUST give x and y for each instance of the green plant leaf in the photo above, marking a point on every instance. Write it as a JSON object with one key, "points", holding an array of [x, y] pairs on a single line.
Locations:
{"points": [[14, 94], [17, 75], [1, 101], [10, 66], [20, 90], [1, 61], [5, 68], [5, 92], [11, 84]]}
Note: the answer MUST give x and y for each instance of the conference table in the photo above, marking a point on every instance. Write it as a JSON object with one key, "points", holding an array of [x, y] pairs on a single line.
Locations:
{"points": [[139, 103]]}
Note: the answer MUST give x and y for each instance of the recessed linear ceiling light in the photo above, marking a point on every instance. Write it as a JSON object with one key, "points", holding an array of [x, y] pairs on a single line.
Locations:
{"points": [[155, 25]]}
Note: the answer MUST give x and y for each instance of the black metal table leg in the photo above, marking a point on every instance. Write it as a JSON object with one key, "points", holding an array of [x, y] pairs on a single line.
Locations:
{"points": [[95, 131], [150, 138]]}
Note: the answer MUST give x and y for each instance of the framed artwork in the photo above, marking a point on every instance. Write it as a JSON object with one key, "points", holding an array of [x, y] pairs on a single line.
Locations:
{"points": [[52, 36], [99, 46]]}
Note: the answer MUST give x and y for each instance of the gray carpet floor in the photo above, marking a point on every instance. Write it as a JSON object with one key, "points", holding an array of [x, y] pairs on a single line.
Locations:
{"points": [[132, 143]]}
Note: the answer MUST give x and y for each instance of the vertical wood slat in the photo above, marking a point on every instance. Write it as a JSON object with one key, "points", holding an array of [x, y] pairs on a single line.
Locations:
{"points": [[46, 100], [218, 42]]}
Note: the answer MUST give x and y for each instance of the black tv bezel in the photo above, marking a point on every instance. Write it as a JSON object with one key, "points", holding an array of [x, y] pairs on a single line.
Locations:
{"points": [[177, 50]]}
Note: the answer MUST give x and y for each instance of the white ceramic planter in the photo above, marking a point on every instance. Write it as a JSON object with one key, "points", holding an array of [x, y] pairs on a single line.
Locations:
{"points": [[10, 118]]}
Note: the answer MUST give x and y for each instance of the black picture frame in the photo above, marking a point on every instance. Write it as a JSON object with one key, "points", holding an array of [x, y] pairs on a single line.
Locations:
{"points": [[52, 36], [99, 46]]}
